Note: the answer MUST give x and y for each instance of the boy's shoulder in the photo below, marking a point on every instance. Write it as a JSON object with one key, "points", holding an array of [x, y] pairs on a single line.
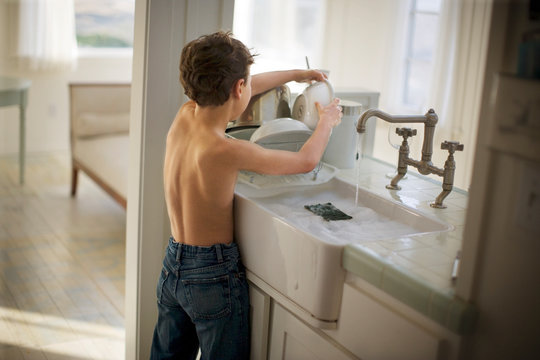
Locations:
{"points": [[187, 108]]}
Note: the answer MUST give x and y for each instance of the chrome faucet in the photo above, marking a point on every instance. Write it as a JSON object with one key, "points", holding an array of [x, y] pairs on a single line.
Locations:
{"points": [[424, 166]]}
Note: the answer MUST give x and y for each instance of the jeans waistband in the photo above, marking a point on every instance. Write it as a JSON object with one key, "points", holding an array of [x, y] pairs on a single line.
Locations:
{"points": [[219, 252]]}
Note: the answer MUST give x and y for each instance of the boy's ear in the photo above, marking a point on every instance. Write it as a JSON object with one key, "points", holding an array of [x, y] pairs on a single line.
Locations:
{"points": [[238, 88]]}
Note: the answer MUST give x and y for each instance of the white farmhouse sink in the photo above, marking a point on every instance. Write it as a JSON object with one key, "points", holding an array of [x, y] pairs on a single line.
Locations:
{"points": [[299, 254]]}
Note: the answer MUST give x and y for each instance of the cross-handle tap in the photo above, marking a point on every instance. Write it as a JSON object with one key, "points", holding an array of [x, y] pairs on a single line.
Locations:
{"points": [[403, 156], [448, 172], [452, 146], [406, 132]]}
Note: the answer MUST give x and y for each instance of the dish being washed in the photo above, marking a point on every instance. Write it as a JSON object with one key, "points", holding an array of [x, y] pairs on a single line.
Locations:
{"points": [[304, 108]]}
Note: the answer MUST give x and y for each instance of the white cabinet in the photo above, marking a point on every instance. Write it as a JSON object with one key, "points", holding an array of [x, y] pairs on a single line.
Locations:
{"points": [[372, 330], [260, 320], [372, 326], [292, 339]]}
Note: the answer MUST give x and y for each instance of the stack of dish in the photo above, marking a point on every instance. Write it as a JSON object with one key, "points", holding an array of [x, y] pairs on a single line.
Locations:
{"points": [[291, 133], [272, 104]]}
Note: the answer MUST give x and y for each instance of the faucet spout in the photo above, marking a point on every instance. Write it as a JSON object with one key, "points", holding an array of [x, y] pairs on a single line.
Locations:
{"points": [[430, 118]]}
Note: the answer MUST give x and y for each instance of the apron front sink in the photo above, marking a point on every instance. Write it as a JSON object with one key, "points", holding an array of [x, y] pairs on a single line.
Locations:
{"points": [[299, 253]]}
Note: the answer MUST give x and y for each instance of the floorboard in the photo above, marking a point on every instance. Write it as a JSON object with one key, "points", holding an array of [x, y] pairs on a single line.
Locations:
{"points": [[62, 264]]}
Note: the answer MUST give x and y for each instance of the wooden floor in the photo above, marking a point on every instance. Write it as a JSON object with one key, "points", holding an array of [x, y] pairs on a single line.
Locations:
{"points": [[62, 265]]}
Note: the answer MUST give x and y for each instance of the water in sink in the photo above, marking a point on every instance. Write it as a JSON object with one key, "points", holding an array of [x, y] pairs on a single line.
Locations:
{"points": [[373, 217], [366, 224]]}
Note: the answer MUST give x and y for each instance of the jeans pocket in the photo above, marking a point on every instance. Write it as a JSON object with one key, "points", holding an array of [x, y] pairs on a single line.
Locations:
{"points": [[208, 298], [161, 283]]}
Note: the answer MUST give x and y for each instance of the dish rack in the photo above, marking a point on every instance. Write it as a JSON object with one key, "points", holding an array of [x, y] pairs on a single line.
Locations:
{"points": [[320, 175]]}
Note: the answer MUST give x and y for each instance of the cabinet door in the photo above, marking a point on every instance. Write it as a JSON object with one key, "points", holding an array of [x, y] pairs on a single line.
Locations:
{"points": [[291, 339], [371, 330], [259, 317]]}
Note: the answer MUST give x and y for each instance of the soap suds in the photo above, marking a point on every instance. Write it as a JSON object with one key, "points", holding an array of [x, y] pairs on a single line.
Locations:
{"points": [[365, 225]]}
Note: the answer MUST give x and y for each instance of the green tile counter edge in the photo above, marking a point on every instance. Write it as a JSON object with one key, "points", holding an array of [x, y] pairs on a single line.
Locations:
{"points": [[443, 308]]}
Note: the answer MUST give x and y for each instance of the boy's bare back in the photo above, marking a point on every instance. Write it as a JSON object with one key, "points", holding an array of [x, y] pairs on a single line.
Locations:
{"points": [[199, 187]]}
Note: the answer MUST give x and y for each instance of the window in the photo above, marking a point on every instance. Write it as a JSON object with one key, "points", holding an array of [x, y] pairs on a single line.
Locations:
{"points": [[420, 49], [282, 32], [104, 23]]}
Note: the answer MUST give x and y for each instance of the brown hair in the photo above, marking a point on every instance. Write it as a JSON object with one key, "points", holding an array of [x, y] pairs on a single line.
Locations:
{"points": [[210, 65]]}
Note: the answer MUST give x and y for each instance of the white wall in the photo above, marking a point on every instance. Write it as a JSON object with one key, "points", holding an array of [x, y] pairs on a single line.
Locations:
{"points": [[47, 122]]}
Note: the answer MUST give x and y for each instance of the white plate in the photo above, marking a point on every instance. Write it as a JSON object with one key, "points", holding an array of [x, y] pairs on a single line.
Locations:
{"points": [[304, 107]]}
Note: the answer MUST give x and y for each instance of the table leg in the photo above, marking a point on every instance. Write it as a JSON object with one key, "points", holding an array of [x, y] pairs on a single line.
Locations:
{"points": [[22, 142]]}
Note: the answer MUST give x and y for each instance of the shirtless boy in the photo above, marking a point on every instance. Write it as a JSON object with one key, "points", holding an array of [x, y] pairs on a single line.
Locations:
{"points": [[203, 298]]}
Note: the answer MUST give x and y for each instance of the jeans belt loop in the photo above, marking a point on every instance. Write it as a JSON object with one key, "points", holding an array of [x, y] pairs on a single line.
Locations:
{"points": [[179, 253], [219, 253]]}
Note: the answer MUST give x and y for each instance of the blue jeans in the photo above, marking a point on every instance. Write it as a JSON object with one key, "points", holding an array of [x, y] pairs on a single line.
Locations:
{"points": [[203, 301]]}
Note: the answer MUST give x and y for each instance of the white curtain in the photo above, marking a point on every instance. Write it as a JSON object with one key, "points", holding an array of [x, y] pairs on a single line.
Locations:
{"points": [[46, 35], [463, 109], [457, 78], [444, 75], [391, 91]]}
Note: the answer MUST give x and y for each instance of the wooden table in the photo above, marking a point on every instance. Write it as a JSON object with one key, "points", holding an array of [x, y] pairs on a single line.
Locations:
{"points": [[14, 91]]}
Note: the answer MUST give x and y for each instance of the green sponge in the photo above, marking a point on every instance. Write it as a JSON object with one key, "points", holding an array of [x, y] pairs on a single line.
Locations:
{"points": [[328, 212]]}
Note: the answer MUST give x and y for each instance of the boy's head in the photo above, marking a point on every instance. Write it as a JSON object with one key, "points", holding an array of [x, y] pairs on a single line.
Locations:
{"points": [[211, 65]]}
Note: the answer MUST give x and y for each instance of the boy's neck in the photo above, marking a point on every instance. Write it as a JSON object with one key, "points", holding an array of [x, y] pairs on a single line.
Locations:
{"points": [[216, 116]]}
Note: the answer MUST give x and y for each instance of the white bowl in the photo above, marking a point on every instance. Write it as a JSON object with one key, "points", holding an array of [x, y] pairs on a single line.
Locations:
{"points": [[282, 133], [304, 107]]}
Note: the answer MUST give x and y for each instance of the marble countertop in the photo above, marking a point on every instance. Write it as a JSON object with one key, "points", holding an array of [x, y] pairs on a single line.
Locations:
{"points": [[416, 270]]}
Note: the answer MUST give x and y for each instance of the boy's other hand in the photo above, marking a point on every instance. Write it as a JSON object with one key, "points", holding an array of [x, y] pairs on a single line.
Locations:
{"points": [[330, 115], [310, 76]]}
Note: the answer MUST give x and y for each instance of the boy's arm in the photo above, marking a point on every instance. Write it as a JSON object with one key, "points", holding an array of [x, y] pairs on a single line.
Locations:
{"points": [[269, 80]]}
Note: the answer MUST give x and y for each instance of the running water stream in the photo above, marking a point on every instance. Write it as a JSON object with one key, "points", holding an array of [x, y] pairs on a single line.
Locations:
{"points": [[359, 154]]}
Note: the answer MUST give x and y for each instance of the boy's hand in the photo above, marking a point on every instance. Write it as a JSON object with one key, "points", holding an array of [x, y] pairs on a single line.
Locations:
{"points": [[309, 76], [331, 114]]}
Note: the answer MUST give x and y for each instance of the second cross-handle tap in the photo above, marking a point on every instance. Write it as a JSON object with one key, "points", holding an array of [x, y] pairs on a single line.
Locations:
{"points": [[448, 173], [451, 146]]}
